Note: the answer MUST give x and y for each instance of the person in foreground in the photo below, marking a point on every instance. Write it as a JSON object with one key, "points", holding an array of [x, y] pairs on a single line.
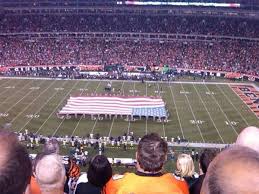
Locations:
{"points": [[205, 159], [98, 174], [151, 156], [50, 174], [249, 138], [185, 169], [233, 171], [16, 168]]}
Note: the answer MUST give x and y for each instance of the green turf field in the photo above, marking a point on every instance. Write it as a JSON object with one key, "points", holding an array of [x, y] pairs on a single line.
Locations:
{"points": [[198, 112]]}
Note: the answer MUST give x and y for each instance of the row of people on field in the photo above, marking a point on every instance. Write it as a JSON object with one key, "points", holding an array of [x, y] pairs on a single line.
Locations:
{"points": [[234, 170]]}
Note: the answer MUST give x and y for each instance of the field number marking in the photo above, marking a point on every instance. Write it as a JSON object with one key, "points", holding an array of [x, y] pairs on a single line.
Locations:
{"points": [[197, 122], [34, 88], [10, 87], [210, 93], [233, 123], [58, 89], [32, 116], [82, 89], [4, 114], [184, 92]]}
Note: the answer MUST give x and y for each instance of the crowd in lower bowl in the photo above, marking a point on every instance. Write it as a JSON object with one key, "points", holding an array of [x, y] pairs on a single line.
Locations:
{"points": [[233, 170]]}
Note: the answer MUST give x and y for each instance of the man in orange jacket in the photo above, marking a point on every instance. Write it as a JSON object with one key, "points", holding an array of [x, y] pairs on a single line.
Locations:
{"points": [[149, 179]]}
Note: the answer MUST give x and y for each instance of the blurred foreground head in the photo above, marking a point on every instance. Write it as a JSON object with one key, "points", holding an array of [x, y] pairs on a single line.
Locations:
{"points": [[233, 171], [249, 137], [15, 165], [51, 146], [50, 174], [151, 153]]}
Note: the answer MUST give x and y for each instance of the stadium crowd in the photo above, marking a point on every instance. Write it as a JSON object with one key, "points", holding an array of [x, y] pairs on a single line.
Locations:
{"points": [[226, 172], [128, 23], [233, 56]]}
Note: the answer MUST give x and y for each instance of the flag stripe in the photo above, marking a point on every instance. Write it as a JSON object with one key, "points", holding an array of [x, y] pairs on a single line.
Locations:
{"points": [[136, 106]]}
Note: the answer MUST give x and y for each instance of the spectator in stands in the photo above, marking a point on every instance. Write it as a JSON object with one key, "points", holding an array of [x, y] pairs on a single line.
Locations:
{"points": [[205, 159], [50, 174], [235, 170], [249, 137], [34, 186], [185, 169], [51, 146], [16, 168], [72, 174], [98, 174], [151, 156]]}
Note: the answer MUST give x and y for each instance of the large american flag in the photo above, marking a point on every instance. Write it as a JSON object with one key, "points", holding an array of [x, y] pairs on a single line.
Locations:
{"points": [[115, 105]]}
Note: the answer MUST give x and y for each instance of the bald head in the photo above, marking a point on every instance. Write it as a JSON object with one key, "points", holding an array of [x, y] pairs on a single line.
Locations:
{"points": [[50, 173], [15, 165], [233, 171], [249, 137]]}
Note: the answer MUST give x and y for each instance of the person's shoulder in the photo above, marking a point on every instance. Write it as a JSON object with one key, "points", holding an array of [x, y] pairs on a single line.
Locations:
{"points": [[176, 177]]}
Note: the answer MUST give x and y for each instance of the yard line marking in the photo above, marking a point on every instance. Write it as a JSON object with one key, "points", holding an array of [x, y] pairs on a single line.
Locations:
{"points": [[180, 124], [222, 91], [221, 109], [164, 128], [15, 93], [55, 109], [41, 107], [160, 95], [208, 113], [5, 88], [85, 87], [32, 102], [54, 133], [96, 119], [134, 88], [128, 128], [193, 114], [146, 126], [146, 87], [5, 82], [122, 85], [20, 100]]}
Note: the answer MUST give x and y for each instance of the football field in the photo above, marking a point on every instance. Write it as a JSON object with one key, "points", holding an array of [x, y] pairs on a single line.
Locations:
{"points": [[198, 112]]}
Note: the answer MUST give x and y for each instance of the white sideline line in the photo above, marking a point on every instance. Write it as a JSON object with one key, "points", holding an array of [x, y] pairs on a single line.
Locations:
{"points": [[222, 110], [41, 107], [222, 91], [193, 114], [244, 102], [54, 133], [105, 80], [85, 87], [180, 124], [208, 113], [31, 102], [16, 91], [122, 86]]}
